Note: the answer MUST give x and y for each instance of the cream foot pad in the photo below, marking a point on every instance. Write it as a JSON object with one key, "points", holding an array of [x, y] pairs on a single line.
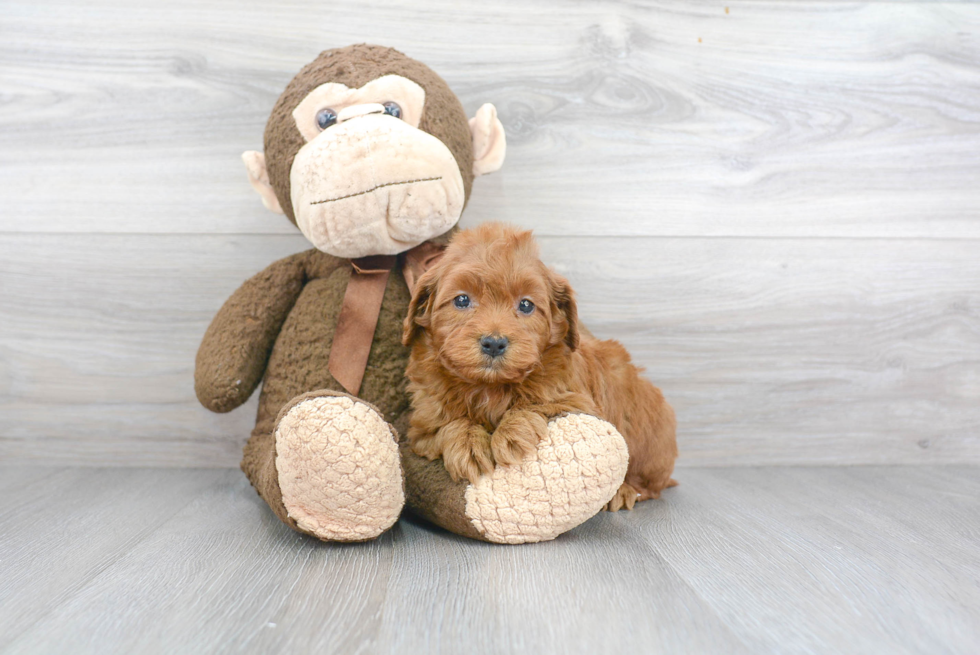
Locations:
{"points": [[338, 468], [577, 469]]}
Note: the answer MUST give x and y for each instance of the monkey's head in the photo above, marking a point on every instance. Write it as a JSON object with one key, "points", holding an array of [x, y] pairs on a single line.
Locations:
{"points": [[368, 152]]}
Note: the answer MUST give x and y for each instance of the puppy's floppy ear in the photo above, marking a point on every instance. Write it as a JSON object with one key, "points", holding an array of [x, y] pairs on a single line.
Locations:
{"points": [[564, 311], [420, 308]]}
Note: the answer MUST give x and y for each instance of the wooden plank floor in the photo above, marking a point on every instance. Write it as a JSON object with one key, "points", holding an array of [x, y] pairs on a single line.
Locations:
{"points": [[735, 560]]}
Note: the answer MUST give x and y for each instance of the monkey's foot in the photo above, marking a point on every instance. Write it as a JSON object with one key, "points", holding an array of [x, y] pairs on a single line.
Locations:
{"points": [[338, 466], [571, 476]]}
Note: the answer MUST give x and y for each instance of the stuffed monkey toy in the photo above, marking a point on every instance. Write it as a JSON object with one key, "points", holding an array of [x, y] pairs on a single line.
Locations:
{"points": [[370, 154]]}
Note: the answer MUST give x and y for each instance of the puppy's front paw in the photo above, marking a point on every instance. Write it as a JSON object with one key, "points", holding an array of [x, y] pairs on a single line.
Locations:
{"points": [[424, 444], [466, 451], [625, 497], [517, 436]]}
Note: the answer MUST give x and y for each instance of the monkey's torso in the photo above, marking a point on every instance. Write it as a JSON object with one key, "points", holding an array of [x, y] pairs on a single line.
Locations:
{"points": [[298, 362]]}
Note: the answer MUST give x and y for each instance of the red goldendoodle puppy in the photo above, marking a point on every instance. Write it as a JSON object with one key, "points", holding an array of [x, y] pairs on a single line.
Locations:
{"points": [[497, 350]]}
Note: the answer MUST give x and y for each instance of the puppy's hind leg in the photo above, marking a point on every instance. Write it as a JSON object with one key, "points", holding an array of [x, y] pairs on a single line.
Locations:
{"points": [[644, 418], [626, 497]]}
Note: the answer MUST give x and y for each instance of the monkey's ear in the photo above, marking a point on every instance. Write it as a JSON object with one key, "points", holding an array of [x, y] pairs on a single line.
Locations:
{"points": [[258, 177], [489, 143], [420, 308]]}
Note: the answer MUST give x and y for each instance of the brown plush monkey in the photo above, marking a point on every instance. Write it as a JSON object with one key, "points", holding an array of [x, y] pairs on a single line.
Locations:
{"points": [[371, 155]]}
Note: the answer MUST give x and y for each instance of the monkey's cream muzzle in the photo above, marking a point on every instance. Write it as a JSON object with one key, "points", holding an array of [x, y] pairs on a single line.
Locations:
{"points": [[373, 184]]}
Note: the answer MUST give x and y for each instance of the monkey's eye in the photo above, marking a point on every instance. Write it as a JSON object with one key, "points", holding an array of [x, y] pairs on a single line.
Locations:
{"points": [[525, 307], [325, 118], [392, 109], [462, 301]]}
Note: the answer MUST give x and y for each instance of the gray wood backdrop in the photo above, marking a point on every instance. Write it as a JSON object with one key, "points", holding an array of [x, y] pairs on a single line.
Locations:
{"points": [[775, 206]]}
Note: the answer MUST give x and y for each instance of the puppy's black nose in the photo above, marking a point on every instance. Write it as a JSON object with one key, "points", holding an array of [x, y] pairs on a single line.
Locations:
{"points": [[493, 346]]}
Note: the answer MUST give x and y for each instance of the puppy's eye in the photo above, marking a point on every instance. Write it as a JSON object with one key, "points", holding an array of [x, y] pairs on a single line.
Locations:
{"points": [[525, 307], [462, 301], [325, 118]]}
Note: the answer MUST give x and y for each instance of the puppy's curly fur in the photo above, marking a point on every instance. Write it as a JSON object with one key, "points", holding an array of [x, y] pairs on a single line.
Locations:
{"points": [[497, 351]]}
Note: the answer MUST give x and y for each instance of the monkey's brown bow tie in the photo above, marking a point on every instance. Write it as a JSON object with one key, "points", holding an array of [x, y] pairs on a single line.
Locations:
{"points": [[362, 306]]}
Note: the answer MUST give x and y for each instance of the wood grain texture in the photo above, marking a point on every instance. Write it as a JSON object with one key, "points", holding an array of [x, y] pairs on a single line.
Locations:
{"points": [[668, 118], [739, 560], [836, 543], [771, 351], [62, 528]]}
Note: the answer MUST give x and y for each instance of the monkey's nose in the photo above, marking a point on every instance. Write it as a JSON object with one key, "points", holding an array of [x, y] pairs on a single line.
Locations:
{"points": [[493, 346]]}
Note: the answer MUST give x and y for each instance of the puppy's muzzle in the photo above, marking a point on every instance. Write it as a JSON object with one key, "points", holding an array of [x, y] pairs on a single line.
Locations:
{"points": [[493, 346]]}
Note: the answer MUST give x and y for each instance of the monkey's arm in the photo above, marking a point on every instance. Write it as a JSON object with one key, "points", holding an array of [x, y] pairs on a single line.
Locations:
{"points": [[233, 355]]}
